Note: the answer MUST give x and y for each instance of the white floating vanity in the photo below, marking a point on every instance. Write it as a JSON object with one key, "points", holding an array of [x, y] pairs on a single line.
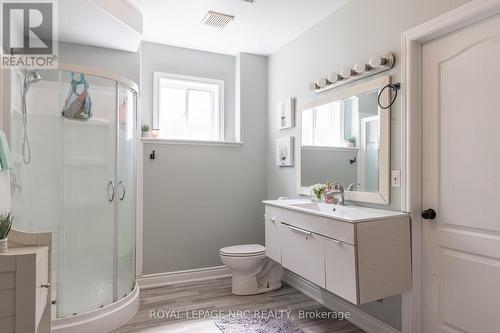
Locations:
{"points": [[360, 254]]}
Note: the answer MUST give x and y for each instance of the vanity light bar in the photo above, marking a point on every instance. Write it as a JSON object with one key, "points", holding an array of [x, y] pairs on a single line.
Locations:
{"points": [[376, 64]]}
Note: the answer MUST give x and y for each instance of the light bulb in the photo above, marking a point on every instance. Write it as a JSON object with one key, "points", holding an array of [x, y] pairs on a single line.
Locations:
{"points": [[333, 77], [346, 73], [361, 68], [322, 82], [377, 61], [312, 86]]}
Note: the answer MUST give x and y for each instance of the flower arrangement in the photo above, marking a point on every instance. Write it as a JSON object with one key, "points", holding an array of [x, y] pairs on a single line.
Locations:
{"points": [[318, 190]]}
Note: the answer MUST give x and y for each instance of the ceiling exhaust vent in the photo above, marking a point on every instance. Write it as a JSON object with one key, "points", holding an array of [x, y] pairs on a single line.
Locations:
{"points": [[217, 20]]}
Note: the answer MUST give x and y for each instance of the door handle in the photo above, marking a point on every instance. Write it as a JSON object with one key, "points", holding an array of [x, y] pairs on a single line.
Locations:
{"points": [[429, 214], [299, 230], [111, 185], [123, 188]]}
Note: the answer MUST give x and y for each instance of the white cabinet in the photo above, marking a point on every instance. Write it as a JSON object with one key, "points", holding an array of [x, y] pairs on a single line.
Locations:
{"points": [[359, 261], [303, 253], [25, 284], [340, 269], [273, 236]]}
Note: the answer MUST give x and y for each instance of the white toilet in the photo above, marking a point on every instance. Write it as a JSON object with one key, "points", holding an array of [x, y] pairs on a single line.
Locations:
{"points": [[253, 273]]}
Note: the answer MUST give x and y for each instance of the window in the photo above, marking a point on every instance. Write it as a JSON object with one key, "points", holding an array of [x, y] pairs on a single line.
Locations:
{"points": [[329, 125], [188, 108]]}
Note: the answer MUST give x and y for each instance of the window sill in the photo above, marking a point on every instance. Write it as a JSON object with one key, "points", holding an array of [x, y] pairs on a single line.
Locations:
{"points": [[192, 142], [331, 148]]}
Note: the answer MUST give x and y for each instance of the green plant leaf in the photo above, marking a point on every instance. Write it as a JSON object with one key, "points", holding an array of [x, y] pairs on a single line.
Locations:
{"points": [[5, 224]]}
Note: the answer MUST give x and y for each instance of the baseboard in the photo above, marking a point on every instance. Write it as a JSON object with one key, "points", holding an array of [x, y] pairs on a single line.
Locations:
{"points": [[192, 275], [359, 318]]}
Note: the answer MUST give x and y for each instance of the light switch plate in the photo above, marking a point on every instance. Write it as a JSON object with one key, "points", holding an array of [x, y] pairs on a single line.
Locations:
{"points": [[396, 178]]}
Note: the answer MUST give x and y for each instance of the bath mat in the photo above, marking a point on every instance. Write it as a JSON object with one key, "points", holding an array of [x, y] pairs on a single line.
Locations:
{"points": [[260, 321]]}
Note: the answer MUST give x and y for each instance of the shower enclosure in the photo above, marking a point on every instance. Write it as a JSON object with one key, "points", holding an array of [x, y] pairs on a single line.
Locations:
{"points": [[80, 185]]}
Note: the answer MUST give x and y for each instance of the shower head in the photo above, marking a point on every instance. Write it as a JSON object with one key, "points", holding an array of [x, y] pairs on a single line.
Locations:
{"points": [[31, 77]]}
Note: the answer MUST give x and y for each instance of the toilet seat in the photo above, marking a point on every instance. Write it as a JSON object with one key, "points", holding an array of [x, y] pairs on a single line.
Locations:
{"points": [[249, 250]]}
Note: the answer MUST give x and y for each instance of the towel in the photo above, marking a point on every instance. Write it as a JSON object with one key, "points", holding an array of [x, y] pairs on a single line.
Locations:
{"points": [[5, 158]]}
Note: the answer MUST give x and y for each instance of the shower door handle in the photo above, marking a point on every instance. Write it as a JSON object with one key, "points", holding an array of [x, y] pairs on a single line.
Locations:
{"points": [[111, 185], [123, 188]]}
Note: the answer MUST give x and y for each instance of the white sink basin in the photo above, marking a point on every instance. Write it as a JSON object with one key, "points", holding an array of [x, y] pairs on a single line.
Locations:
{"points": [[351, 214], [320, 207]]}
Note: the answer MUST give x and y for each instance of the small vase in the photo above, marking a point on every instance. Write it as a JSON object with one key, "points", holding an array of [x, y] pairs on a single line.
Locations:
{"points": [[3, 245], [316, 199], [145, 134]]}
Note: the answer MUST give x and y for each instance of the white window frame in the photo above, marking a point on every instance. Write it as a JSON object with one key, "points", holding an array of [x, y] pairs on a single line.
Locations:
{"points": [[157, 76], [341, 127]]}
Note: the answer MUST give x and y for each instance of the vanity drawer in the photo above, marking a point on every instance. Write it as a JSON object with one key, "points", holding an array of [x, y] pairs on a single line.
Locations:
{"points": [[340, 266], [273, 238], [327, 227], [274, 212], [303, 253]]}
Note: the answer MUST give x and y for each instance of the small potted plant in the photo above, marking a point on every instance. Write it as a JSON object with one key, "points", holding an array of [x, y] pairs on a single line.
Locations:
{"points": [[145, 131], [5, 225], [318, 190], [350, 142]]}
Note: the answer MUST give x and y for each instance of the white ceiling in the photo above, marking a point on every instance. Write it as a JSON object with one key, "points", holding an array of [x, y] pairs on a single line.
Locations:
{"points": [[260, 27], [106, 23]]}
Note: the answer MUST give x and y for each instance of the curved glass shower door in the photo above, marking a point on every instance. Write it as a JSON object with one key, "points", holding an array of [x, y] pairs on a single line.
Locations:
{"points": [[85, 276], [125, 245], [80, 185]]}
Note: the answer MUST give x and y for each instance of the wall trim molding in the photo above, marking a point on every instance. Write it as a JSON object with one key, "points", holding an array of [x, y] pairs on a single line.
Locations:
{"points": [[192, 275], [192, 142], [411, 120], [359, 318]]}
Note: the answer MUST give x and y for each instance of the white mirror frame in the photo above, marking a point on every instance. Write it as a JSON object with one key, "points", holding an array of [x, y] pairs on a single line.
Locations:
{"points": [[383, 196]]}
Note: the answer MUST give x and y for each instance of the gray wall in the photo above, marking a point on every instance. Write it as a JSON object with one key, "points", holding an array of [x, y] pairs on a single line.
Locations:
{"points": [[355, 32], [127, 64], [177, 60], [320, 165], [198, 199]]}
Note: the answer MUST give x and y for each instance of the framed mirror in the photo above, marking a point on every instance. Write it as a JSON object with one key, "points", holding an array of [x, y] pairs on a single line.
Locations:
{"points": [[346, 138]]}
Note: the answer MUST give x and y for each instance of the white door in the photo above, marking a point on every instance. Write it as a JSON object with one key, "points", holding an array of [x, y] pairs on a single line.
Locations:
{"points": [[461, 180]]}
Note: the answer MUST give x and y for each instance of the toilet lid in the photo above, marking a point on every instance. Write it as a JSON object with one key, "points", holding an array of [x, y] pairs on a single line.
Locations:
{"points": [[243, 250]]}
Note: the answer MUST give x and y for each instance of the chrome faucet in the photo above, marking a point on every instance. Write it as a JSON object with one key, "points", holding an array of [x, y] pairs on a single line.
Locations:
{"points": [[352, 186], [338, 192]]}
